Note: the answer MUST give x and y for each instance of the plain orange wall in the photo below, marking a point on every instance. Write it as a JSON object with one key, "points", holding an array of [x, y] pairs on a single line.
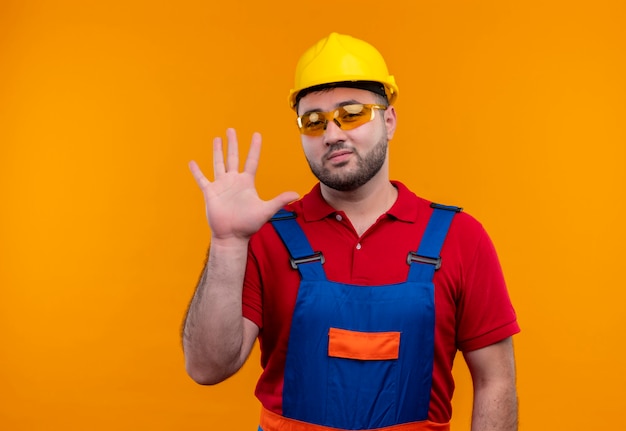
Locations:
{"points": [[514, 110]]}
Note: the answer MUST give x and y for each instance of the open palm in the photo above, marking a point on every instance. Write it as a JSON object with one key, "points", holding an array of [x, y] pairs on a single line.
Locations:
{"points": [[233, 206]]}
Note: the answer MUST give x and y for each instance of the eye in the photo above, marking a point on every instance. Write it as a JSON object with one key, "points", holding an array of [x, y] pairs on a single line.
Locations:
{"points": [[311, 124], [352, 112], [313, 120]]}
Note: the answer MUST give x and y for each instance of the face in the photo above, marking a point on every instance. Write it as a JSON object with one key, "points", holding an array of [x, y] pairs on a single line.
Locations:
{"points": [[345, 160]]}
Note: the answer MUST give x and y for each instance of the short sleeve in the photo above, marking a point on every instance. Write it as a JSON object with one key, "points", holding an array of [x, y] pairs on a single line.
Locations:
{"points": [[485, 314], [252, 301]]}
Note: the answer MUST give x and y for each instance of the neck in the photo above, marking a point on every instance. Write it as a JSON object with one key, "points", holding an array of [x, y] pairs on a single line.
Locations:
{"points": [[365, 205]]}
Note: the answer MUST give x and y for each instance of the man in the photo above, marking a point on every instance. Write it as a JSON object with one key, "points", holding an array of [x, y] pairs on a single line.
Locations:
{"points": [[360, 293]]}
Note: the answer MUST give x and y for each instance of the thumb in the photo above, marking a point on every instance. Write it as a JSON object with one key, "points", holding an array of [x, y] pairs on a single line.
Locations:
{"points": [[281, 200]]}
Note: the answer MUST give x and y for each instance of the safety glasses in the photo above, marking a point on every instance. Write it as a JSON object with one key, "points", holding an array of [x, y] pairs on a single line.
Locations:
{"points": [[346, 117]]}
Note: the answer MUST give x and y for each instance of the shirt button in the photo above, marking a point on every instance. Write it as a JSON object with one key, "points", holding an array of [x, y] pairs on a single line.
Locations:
{"points": [[338, 217], [358, 246]]}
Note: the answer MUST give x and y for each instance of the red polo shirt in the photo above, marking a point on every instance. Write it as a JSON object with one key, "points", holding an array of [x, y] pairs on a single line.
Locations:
{"points": [[472, 305]]}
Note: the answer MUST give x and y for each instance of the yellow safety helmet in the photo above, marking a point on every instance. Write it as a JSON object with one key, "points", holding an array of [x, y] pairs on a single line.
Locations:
{"points": [[341, 58]]}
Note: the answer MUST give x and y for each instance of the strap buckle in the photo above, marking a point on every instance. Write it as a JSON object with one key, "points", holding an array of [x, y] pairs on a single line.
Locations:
{"points": [[307, 259], [446, 207], [283, 215], [414, 257]]}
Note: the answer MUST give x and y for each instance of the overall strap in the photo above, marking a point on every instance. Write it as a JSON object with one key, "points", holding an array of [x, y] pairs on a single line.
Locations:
{"points": [[302, 257], [427, 260]]}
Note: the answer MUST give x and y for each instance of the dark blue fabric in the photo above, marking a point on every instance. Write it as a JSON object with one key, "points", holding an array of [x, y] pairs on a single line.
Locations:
{"points": [[432, 241], [297, 244], [360, 394]]}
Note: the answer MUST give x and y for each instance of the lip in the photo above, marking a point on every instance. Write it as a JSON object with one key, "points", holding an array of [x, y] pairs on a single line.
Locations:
{"points": [[338, 156]]}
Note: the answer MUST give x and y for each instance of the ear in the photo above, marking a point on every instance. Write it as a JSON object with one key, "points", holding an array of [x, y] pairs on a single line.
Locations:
{"points": [[390, 121]]}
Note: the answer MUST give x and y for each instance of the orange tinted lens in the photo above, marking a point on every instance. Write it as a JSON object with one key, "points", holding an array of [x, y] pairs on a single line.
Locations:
{"points": [[347, 117], [353, 116], [313, 123]]}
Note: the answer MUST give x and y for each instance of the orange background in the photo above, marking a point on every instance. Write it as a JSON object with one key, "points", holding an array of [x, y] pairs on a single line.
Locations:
{"points": [[514, 110]]}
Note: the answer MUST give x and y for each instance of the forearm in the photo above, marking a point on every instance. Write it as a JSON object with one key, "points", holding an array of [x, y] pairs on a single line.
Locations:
{"points": [[213, 330], [495, 408], [495, 393]]}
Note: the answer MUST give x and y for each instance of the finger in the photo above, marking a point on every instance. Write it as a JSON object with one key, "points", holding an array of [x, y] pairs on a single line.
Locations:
{"points": [[218, 157], [198, 175], [281, 200], [252, 161], [232, 162]]}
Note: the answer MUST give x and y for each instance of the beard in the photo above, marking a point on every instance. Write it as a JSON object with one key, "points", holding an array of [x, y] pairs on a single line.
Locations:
{"points": [[367, 167]]}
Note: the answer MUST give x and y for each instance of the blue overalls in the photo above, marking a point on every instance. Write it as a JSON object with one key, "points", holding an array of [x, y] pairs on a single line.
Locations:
{"points": [[360, 357]]}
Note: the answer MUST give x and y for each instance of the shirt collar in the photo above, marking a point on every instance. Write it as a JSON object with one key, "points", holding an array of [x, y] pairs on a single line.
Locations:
{"points": [[405, 208]]}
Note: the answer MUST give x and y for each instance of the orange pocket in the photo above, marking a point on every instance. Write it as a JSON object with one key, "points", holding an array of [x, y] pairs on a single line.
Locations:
{"points": [[363, 345]]}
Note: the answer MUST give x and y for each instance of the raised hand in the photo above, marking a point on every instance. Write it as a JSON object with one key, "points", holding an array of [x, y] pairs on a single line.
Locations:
{"points": [[234, 209]]}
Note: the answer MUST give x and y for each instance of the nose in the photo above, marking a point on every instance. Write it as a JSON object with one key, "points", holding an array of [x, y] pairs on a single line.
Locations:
{"points": [[333, 133]]}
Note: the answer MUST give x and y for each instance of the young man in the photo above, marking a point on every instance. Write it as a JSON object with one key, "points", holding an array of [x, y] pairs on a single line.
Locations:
{"points": [[360, 293]]}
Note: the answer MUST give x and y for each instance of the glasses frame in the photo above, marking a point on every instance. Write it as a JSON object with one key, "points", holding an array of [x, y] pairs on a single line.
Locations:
{"points": [[334, 114]]}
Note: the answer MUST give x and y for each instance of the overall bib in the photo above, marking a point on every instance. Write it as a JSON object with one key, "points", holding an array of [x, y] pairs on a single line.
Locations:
{"points": [[359, 357]]}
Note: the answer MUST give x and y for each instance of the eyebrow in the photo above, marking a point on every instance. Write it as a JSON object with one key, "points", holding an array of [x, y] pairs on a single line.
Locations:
{"points": [[338, 105]]}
